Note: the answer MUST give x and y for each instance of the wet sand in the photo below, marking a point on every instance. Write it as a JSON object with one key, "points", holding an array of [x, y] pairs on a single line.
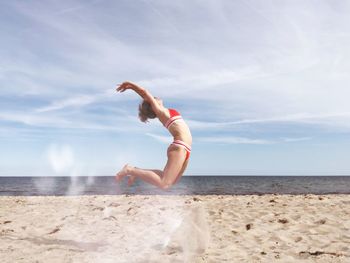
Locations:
{"points": [[190, 228]]}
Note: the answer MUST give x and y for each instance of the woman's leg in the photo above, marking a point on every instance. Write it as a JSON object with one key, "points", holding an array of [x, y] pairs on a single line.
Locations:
{"points": [[156, 177], [132, 178], [184, 166], [150, 176]]}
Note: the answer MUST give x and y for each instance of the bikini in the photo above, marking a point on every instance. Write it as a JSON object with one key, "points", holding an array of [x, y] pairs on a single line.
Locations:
{"points": [[174, 117]]}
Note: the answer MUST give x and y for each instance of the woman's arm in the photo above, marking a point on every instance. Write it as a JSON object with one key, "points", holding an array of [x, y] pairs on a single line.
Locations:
{"points": [[145, 94]]}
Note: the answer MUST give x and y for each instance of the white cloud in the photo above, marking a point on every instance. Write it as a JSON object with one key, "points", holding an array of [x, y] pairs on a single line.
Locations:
{"points": [[117, 124], [77, 7], [204, 80], [229, 65], [217, 139], [265, 67], [77, 101], [296, 139], [232, 140], [161, 138], [242, 140], [34, 119], [306, 118]]}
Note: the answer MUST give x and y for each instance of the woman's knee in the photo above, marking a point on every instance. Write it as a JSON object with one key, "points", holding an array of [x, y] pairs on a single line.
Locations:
{"points": [[165, 186], [165, 183]]}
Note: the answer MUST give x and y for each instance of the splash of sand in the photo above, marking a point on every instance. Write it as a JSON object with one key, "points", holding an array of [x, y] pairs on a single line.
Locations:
{"points": [[191, 235]]}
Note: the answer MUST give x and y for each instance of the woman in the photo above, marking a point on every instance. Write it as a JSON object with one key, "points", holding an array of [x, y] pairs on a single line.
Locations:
{"points": [[179, 150]]}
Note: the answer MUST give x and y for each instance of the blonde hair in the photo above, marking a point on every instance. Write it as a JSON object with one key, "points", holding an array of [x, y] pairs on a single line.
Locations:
{"points": [[145, 111]]}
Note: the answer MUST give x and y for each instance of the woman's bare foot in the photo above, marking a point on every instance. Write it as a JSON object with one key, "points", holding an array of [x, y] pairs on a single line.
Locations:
{"points": [[131, 180], [123, 172]]}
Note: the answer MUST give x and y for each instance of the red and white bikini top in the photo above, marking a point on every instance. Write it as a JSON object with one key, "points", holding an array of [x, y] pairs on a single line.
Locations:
{"points": [[174, 116]]}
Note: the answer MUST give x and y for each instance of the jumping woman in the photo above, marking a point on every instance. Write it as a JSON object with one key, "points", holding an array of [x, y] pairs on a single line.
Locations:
{"points": [[179, 150]]}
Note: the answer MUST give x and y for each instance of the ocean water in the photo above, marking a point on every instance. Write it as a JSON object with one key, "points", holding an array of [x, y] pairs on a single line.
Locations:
{"points": [[200, 185]]}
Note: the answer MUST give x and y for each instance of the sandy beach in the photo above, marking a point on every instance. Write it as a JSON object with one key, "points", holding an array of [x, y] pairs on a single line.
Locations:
{"points": [[190, 228]]}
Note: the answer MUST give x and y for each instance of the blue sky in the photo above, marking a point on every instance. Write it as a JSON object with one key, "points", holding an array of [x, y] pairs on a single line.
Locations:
{"points": [[263, 85]]}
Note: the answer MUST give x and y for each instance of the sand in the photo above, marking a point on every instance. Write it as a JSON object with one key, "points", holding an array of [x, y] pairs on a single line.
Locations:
{"points": [[210, 228]]}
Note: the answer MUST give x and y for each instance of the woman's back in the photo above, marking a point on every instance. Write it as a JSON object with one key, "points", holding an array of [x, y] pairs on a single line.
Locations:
{"points": [[177, 127]]}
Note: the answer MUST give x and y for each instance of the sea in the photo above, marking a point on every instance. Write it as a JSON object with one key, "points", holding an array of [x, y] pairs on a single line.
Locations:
{"points": [[188, 185]]}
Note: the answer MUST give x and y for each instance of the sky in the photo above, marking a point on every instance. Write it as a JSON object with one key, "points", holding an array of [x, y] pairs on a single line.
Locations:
{"points": [[263, 85]]}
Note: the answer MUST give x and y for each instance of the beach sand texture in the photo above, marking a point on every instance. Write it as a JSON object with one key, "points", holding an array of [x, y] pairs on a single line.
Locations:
{"points": [[189, 228]]}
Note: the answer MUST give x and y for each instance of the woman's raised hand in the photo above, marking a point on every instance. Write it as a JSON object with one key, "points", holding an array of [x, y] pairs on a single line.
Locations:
{"points": [[125, 85]]}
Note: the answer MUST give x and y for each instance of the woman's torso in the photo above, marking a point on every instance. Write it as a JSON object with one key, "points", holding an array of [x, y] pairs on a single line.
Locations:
{"points": [[178, 128]]}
